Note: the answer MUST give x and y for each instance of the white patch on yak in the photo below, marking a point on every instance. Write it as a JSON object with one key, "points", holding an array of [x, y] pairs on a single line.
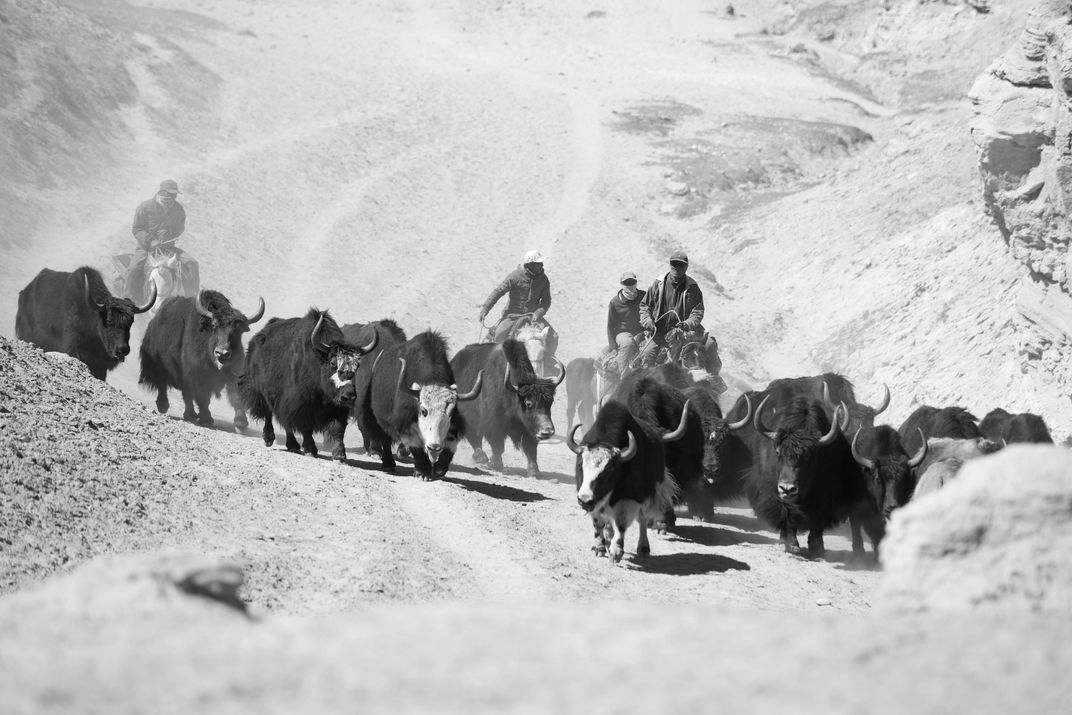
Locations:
{"points": [[435, 409], [593, 461], [337, 381]]}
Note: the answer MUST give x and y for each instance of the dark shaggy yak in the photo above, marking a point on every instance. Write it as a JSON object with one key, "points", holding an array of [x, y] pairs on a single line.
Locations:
{"points": [[955, 422], [810, 480], [888, 469], [1003, 428], [387, 333], [513, 401], [621, 476], [301, 371], [76, 314], [833, 389], [195, 346], [413, 399]]}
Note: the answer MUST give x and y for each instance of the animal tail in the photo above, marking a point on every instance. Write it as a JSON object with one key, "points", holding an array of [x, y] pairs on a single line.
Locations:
{"points": [[666, 492]]}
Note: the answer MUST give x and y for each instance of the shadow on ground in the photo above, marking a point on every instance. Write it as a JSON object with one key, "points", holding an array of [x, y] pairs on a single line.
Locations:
{"points": [[689, 564], [714, 536], [496, 491]]}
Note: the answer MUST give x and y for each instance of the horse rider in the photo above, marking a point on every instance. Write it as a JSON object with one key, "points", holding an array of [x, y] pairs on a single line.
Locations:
{"points": [[623, 321], [673, 301], [529, 293], [158, 222]]}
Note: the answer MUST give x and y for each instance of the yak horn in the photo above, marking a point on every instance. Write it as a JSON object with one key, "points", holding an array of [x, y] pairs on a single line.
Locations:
{"points": [[201, 306], [152, 301], [471, 395], [845, 419], [556, 381], [315, 336], [861, 460], [921, 453], [835, 427], [885, 399], [570, 442], [366, 349], [630, 450], [507, 382], [89, 300], [681, 426], [400, 386], [757, 420], [747, 415], [258, 315]]}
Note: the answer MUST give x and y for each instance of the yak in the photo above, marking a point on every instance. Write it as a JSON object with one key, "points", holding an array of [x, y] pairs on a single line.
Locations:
{"points": [[888, 469], [75, 313], [1003, 428], [621, 476], [195, 346], [413, 399], [513, 402], [301, 371], [927, 421], [387, 333]]}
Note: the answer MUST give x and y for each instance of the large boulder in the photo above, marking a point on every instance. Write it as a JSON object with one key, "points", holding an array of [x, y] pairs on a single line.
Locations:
{"points": [[998, 536]]}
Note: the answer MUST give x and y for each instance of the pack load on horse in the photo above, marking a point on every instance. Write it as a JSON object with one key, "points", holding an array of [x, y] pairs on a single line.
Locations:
{"points": [[158, 223], [529, 298]]}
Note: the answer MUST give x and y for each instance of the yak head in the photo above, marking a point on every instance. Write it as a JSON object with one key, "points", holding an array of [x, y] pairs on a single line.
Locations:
{"points": [[436, 405], [890, 476], [340, 361], [797, 445], [535, 400], [224, 325], [600, 461], [116, 316]]}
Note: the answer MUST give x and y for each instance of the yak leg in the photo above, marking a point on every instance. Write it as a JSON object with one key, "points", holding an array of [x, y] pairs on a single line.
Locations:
{"points": [[204, 417], [476, 441], [875, 528], [497, 444], [643, 548], [189, 414], [335, 432], [815, 542], [308, 444], [292, 442], [624, 515], [600, 540], [443, 464], [701, 500], [235, 398], [789, 537], [528, 446], [422, 466], [857, 537], [269, 431], [162, 403]]}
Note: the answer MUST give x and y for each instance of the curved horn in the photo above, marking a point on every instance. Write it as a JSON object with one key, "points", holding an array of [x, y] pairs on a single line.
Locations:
{"points": [[315, 336], [201, 306], [747, 415], [604, 400], [258, 315], [471, 395], [630, 450], [845, 419], [570, 442], [366, 349], [885, 399], [507, 382], [152, 301], [556, 381], [921, 453], [861, 460], [826, 394], [835, 427], [400, 385], [757, 420], [681, 426]]}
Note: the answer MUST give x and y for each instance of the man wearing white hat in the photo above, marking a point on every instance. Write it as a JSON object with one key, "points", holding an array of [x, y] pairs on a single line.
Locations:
{"points": [[529, 293]]}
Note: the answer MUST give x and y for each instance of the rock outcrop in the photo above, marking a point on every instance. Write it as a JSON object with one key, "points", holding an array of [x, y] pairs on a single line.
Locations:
{"points": [[996, 537], [1022, 130]]}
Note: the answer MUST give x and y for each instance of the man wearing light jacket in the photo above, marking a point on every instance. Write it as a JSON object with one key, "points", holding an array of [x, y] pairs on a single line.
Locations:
{"points": [[674, 301]]}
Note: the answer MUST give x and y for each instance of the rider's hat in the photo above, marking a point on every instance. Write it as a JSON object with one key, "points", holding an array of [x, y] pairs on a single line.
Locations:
{"points": [[679, 257], [168, 186], [533, 257], [628, 276]]}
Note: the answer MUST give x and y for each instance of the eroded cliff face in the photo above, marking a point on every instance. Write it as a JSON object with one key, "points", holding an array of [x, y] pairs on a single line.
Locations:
{"points": [[1022, 129]]}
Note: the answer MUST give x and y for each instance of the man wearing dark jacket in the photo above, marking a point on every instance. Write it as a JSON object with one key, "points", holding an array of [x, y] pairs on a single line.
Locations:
{"points": [[675, 301], [158, 222], [529, 293], [623, 321]]}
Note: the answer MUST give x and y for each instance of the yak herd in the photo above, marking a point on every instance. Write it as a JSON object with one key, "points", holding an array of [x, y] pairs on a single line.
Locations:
{"points": [[803, 451]]}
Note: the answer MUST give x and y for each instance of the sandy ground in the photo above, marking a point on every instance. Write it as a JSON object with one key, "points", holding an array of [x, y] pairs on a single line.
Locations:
{"points": [[396, 159]]}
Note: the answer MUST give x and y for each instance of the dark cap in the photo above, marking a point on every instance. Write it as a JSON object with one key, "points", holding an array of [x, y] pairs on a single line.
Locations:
{"points": [[627, 276], [168, 186], [679, 256]]}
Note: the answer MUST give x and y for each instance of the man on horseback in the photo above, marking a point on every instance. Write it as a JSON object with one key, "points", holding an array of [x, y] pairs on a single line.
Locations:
{"points": [[674, 302], [158, 222], [623, 321], [529, 293]]}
